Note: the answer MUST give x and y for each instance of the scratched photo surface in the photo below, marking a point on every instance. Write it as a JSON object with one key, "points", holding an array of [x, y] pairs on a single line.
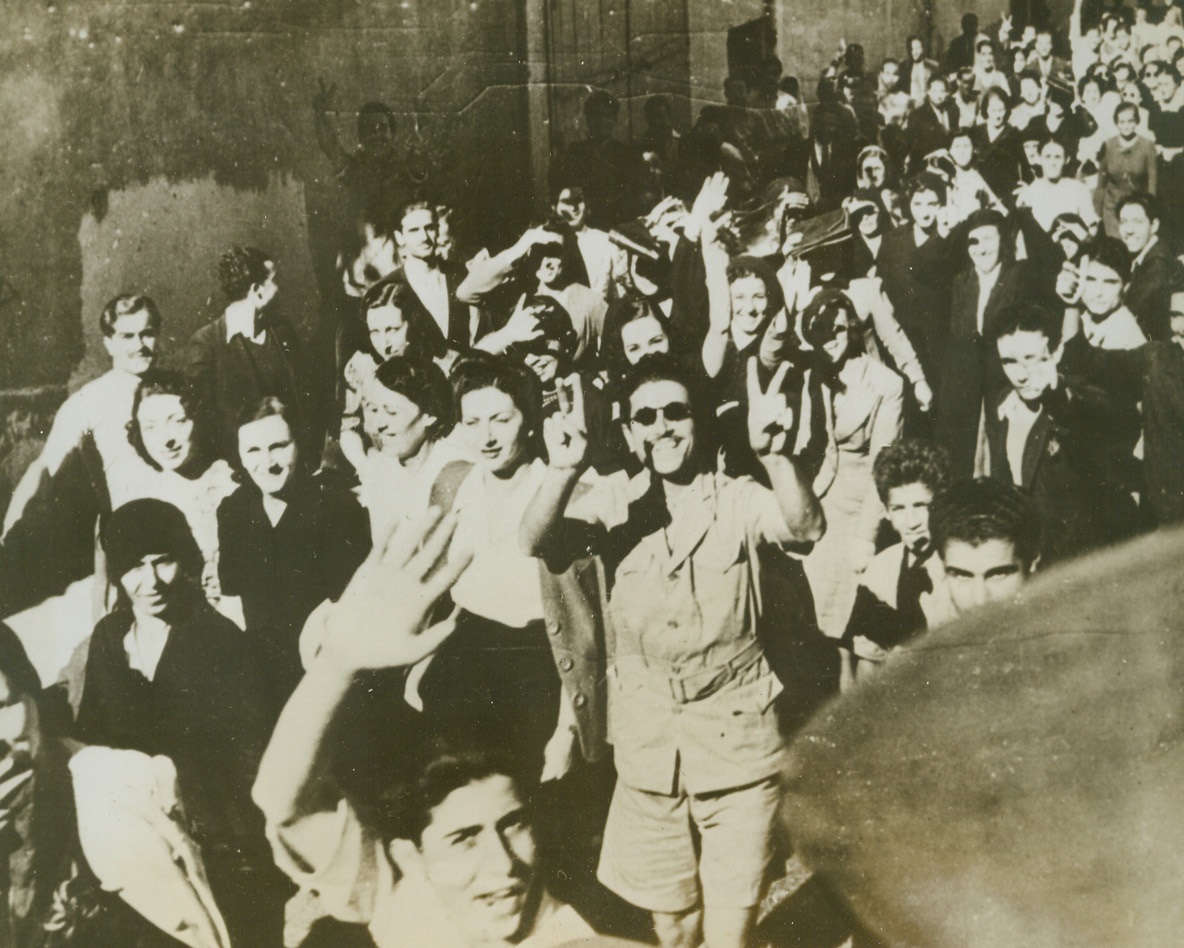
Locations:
{"points": [[591, 472]]}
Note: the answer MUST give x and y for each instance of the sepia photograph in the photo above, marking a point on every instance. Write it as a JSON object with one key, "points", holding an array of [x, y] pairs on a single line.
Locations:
{"points": [[559, 473]]}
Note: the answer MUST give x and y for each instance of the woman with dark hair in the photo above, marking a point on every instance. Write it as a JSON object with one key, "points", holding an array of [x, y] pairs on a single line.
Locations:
{"points": [[495, 676], [743, 294], [286, 542], [394, 327], [174, 463], [633, 329], [867, 402], [167, 676], [998, 146]]}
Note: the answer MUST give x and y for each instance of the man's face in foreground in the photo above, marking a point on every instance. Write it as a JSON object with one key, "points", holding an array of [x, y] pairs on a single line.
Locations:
{"points": [[479, 855], [980, 573], [659, 429]]}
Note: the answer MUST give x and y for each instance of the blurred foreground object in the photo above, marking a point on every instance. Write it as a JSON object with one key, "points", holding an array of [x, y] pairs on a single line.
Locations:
{"points": [[1014, 778]]}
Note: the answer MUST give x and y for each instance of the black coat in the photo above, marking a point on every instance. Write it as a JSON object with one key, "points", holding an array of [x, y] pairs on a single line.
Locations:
{"points": [[970, 372], [917, 282], [1149, 294], [1001, 162], [285, 571], [926, 134], [1064, 467], [230, 376], [204, 711]]}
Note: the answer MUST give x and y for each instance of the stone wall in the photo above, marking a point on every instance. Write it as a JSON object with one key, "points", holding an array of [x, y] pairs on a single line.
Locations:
{"points": [[143, 138]]}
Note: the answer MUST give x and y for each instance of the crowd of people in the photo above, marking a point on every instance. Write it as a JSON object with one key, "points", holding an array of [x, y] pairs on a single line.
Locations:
{"points": [[501, 638]]}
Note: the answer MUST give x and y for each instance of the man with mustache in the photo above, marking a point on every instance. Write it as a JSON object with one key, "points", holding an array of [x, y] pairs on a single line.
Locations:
{"points": [[691, 691]]}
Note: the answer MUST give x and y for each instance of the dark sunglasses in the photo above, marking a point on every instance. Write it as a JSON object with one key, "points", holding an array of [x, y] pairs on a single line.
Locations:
{"points": [[675, 411]]}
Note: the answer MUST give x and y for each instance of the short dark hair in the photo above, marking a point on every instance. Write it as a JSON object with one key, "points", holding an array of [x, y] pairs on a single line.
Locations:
{"points": [[1141, 198], [404, 810], [1027, 317], [969, 22], [621, 313], [423, 383], [660, 367], [910, 461], [925, 181], [977, 511], [376, 108], [165, 382], [984, 43], [266, 407], [994, 93], [128, 305], [749, 266], [1112, 253], [241, 268], [1125, 106], [408, 206]]}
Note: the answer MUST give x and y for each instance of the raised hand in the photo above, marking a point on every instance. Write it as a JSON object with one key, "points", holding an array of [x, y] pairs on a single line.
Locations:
{"points": [[523, 324], [1069, 283], [565, 433], [770, 419], [709, 202], [381, 620], [322, 101]]}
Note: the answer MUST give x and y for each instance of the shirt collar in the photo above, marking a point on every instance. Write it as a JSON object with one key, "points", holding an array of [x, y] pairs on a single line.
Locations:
{"points": [[239, 323], [1146, 250], [1014, 408]]}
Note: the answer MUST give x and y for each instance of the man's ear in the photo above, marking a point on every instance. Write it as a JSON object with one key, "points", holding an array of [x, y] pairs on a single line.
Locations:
{"points": [[406, 855], [629, 439], [1155, 227]]}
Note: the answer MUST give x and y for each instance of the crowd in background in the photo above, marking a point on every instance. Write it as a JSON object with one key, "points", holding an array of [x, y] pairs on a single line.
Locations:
{"points": [[491, 622]]}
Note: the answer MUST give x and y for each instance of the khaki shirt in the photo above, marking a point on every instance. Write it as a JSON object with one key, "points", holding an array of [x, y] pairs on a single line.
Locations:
{"points": [[690, 692]]}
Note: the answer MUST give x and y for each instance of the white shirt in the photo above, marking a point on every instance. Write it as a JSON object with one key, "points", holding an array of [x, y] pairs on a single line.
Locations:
{"points": [[431, 287], [101, 408], [986, 283], [1049, 200], [241, 322], [597, 251], [1119, 330], [1020, 418]]}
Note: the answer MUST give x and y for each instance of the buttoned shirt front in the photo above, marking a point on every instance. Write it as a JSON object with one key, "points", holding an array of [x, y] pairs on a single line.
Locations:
{"points": [[431, 286], [690, 691]]}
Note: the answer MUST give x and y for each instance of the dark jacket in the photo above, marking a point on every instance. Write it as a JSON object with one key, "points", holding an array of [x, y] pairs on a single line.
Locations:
{"points": [[970, 372], [285, 571], [230, 376], [925, 133], [1001, 162], [1065, 469], [917, 282], [1149, 294]]}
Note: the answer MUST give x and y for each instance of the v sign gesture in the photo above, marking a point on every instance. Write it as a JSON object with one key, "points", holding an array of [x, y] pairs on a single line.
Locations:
{"points": [[565, 433], [770, 419]]}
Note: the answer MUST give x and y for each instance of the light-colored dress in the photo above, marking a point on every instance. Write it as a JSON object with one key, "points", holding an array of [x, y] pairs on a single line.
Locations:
{"points": [[867, 418]]}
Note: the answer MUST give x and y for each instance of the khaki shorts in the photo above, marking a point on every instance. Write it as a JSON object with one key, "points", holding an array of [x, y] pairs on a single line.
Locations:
{"points": [[650, 858]]}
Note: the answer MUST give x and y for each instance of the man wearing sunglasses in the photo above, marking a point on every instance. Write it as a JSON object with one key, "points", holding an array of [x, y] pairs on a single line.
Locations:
{"points": [[691, 718]]}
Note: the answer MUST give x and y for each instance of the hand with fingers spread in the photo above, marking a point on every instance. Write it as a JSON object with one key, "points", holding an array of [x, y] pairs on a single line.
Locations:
{"points": [[770, 419], [709, 204], [565, 432], [381, 620]]}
